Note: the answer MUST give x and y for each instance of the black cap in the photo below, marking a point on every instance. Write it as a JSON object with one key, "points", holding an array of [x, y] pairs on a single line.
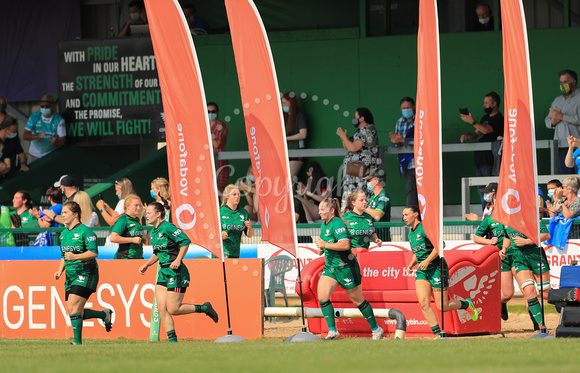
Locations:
{"points": [[67, 181], [489, 188]]}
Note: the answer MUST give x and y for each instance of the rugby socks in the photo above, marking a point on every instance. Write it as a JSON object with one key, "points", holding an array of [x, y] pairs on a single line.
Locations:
{"points": [[367, 311], [436, 330], [464, 305], [535, 310], [200, 308], [92, 314], [76, 321], [172, 336], [328, 312]]}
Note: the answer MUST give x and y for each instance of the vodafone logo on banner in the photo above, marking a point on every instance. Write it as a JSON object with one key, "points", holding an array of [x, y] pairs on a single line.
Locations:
{"points": [[510, 202], [189, 208], [422, 205]]}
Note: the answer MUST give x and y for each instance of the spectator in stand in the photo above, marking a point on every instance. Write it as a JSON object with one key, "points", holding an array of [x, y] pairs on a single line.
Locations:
{"points": [[564, 115], [123, 188], [296, 125], [317, 189], [248, 186], [160, 191], [379, 206], [488, 129], [404, 136], [12, 156], [484, 18], [362, 153], [69, 190], [45, 130], [552, 186], [219, 136], [88, 215], [22, 204], [196, 23], [573, 155], [488, 193], [137, 16], [54, 197], [566, 201]]}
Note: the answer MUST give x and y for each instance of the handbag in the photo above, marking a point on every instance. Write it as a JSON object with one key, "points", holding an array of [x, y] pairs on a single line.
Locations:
{"points": [[357, 169]]}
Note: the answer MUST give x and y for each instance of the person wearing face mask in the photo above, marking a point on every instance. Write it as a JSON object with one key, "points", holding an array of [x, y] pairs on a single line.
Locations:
{"points": [[45, 130], [484, 18], [12, 150], [247, 187], [123, 188], [379, 206], [196, 23], [296, 125], [362, 153], [219, 137], [137, 16], [404, 135], [488, 129], [160, 192], [564, 116]]}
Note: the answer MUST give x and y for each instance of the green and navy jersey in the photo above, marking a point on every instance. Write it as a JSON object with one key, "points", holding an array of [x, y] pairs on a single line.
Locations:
{"points": [[233, 224], [422, 246], [381, 202], [333, 232], [490, 228], [166, 240], [78, 240], [360, 228], [512, 233], [127, 226]]}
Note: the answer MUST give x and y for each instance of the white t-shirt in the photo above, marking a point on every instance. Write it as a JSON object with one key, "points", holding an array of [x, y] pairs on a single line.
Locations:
{"points": [[120, 208], [93, 220]]}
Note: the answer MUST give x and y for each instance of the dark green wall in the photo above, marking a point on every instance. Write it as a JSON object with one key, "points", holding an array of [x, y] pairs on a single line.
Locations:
{"points": [[376, 73]]}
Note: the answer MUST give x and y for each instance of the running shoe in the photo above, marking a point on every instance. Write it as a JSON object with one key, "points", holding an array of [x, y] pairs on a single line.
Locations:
{"points": [[107, 320], [471, 310], [332, 334], [211, 312], [378, 333], [504, 312], [436, 336]]}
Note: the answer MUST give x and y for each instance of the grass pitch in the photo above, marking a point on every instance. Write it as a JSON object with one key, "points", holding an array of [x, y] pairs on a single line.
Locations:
{"points": [[273, 355]]}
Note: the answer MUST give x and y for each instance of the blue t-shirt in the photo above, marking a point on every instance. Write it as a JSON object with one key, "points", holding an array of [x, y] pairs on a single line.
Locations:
{"points": [[576, 156]]}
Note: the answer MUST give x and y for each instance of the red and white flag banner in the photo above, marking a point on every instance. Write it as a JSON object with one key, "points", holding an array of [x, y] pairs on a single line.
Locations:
{"points": [[428, 169], [264, 123], [517, 196], [194, 202]]}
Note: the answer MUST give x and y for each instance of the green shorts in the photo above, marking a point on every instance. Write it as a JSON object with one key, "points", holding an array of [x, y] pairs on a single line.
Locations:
{"points": [[174, 280], [87, 278], [433, 275], [347, 277], [529, 260], [508, 262]]}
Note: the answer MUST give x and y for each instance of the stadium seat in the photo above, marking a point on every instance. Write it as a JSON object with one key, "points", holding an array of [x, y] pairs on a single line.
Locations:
{"points": [[277, 266]]}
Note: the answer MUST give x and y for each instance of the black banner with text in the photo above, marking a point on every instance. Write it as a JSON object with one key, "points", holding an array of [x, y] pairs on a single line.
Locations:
{"points": [[109, 91]]}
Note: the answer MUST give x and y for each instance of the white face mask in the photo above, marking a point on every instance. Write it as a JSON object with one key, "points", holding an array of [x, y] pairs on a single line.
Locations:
{"points": [[12, 135], [484, 21], [135, 16]]}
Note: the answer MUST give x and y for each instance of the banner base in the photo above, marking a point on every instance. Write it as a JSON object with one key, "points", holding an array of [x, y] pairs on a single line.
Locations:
{"points": [[229, 338]]}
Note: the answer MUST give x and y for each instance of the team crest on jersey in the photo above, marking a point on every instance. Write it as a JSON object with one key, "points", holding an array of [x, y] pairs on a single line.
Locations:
{"points": [[418, 236], [437, 280], [131, 225], [328, 231], [81, 278], [242, 217], [76, 236], [160, 236], [369, 221], [347, 281], [171, 280]]}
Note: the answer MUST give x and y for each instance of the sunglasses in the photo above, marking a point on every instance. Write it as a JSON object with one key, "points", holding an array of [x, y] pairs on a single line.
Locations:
{"points": [[212, 111]]}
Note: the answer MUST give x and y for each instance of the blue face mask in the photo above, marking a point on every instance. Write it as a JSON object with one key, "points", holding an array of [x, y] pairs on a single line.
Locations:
{"points": [[551, 193], [286, 109], [12, 135], [487, 198], [356, 122], [135, 16], [46, 112], [119, 196], [153, 194], [407, 113], [370, 187], [212, 116], [251, 177]]}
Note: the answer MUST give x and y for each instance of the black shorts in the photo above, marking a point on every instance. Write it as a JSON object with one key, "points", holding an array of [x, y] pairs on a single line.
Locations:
{"points": [[175, 290], [81, 291]]}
